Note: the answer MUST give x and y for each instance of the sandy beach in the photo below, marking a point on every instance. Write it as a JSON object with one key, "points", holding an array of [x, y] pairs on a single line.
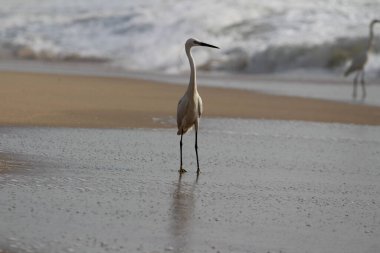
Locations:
{"points": [[31, 99], [89, 164], [289, 156]]}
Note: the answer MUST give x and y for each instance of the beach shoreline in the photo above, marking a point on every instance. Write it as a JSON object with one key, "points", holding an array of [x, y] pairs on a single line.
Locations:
{"points": [[70, 100], [288, 149]]}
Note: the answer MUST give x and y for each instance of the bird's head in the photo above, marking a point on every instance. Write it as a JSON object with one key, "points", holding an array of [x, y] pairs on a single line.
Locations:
{"points": [[193, 42]]}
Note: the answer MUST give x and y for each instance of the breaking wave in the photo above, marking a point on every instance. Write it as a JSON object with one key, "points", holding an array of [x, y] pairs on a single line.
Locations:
{"points": [[332, 56], [255, 36], [29, 53]]}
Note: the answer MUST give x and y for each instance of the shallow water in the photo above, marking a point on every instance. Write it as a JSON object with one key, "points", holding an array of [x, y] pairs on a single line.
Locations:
{"points": [[265, 186]]}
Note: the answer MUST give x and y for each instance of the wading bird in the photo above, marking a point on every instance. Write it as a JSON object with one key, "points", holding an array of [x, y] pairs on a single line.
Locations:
{"points": [[359, 61], [189, 109]]}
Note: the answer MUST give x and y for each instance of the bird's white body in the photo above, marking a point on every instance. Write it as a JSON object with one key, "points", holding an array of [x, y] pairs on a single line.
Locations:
{"points": [[189, 112], [190, 107], [358, 62]]}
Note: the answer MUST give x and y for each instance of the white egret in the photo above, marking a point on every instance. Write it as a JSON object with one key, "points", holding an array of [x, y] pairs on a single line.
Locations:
{"points": [[359, 61], [189, 109]]}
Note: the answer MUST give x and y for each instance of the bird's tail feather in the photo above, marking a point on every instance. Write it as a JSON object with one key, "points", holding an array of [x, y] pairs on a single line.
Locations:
{"points": [[184, 130]]}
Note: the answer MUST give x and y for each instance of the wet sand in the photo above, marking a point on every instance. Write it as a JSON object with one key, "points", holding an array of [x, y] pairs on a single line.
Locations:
{"points": [[28, 99], [265, 186]]}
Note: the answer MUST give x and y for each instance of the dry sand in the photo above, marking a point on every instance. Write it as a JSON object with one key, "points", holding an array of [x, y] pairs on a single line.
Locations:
{"points": [[77, 101]]}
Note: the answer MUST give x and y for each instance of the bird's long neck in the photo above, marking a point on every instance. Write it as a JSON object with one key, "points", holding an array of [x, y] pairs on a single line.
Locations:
{"points": [[371, 37], [192, 88]]}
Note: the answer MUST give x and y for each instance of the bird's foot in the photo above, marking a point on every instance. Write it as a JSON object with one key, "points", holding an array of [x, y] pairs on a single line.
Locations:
{"points": [[181, 170], [198, 171]]}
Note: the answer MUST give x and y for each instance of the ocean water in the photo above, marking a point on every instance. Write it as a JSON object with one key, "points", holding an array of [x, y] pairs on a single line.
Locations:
{"points": [[255, 36]]}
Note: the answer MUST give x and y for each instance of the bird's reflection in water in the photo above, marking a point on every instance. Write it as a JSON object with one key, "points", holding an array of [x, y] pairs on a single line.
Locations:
{"points": [[182, 212]]}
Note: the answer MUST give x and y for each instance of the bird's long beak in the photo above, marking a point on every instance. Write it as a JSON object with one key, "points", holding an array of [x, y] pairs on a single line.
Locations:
{"points": [[206, 45]]}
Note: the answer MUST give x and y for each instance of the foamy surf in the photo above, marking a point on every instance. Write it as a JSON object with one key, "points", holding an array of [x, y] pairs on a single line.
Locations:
{"points": [[255, 36]]}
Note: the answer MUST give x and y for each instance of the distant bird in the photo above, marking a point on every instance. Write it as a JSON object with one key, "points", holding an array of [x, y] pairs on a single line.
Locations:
{"points": [[189, 109], [359, 61]]}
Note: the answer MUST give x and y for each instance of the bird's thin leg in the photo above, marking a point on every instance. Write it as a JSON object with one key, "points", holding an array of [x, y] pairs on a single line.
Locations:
{"points": [[180, 145], [364, 93], [196, 148], [355, 84], [181, 169]]}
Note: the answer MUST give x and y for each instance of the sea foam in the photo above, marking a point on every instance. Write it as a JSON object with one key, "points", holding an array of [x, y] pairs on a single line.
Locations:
{"points": [[254, 36]]}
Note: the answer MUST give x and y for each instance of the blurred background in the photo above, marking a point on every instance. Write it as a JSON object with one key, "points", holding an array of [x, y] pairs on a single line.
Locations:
{"points": [[272, 36]]}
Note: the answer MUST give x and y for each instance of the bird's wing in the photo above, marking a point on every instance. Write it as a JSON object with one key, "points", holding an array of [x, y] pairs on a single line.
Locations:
{"points": [[200, 106], [357, 63], [181, 110]]}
